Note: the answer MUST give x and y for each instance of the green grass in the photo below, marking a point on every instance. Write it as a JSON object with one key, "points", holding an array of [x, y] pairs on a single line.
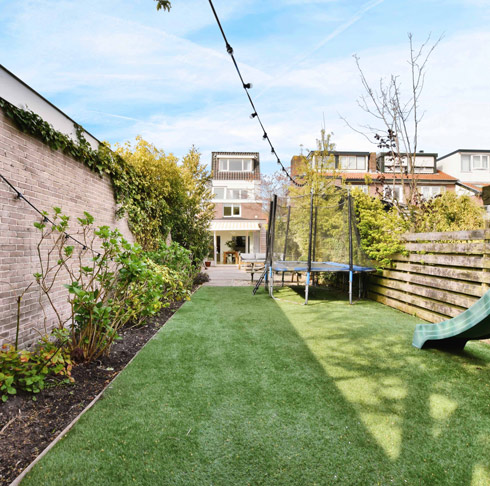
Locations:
{"points": [[239, 390]]}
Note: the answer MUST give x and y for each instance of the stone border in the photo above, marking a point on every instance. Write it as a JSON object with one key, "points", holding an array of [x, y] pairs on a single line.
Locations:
{"points": [[17, 481]]}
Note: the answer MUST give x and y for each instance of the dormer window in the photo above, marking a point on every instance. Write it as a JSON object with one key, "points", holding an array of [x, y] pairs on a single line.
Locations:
{"points": [[352, 162], [473, 162], [235, 165]]}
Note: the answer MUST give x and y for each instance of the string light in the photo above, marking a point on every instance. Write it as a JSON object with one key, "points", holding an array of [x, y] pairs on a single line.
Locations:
{"points": [[246, 87]]}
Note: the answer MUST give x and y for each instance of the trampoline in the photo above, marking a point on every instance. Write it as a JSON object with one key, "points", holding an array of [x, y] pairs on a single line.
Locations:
{"points": [[312, 235]]}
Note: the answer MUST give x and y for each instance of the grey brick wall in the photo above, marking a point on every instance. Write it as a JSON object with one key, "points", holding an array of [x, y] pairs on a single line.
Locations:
{"points": [[47, 178]]}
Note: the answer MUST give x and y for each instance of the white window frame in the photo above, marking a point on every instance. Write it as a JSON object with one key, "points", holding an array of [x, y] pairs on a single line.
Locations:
{"points": [[356, 159], [475, 162], [226, 164], [224, 193], [390, 192], [428, 192], [232, 206]]}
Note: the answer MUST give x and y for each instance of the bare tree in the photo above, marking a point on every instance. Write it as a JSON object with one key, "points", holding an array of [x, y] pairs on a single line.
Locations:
{"points": [[397, 114]]}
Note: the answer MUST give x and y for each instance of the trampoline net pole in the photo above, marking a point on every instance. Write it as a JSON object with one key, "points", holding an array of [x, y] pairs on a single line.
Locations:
{"points": [[310, 240], [351, 266]]}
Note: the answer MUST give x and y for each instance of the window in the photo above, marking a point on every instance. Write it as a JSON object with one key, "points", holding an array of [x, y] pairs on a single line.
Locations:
{"points": [[428, 192], [473, 162], [224, 193], [219, 192], [393, 193], [480, 162], [235, 165], [356, 162], [231, 210], [236, 194]]}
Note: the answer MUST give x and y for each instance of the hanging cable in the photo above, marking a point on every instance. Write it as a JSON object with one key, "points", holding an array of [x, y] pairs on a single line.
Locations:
{"points": [[45, 219], [246, 87]]}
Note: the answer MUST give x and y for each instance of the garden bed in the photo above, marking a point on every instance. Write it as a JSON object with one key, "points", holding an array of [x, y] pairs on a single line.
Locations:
{"points": [[27, 427]]}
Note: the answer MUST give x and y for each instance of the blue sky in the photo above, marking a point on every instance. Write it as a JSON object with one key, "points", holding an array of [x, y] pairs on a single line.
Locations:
{"points": [[122, 69]]}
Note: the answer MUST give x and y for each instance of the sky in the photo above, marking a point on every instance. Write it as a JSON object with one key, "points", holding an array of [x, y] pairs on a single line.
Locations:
{"points": [[122, 69]]}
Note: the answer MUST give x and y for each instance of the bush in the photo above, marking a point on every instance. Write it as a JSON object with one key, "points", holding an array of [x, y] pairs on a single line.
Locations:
{"points": [[449, 212], [29, 370], [380, 229], [176, 258], [109, 287]]}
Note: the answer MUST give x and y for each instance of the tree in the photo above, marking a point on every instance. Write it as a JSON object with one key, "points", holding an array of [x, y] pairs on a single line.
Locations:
{"points": [[176, 199], [164, 5], [398, 114], [194, 215]]}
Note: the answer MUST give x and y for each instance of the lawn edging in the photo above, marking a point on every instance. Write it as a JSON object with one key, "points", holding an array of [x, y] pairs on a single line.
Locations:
{"points": [[17, 481]]}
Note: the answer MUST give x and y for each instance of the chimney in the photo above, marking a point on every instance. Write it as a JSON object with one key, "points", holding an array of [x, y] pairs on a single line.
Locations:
{"points": [[372, 162], [297, 165]]}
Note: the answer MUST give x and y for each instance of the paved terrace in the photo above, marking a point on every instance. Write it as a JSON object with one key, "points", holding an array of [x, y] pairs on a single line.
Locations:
{"points": [[229, 276]]}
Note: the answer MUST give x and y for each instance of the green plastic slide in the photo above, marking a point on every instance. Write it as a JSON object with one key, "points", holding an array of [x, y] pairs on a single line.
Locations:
{"points": [[473, 323]]}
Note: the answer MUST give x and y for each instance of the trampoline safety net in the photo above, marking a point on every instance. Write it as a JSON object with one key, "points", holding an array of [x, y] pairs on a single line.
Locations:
{"points": [[317, 229]]}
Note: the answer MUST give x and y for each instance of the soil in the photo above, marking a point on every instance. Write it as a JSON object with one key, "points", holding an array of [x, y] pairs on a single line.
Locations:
{"points": [[27, 427]]}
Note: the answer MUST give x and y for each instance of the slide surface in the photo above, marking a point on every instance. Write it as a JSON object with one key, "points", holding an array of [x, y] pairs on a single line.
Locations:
{"points": [[473, 323]]}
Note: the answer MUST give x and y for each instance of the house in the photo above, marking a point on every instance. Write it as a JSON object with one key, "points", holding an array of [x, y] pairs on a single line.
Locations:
{"points": [[239, 224], [471, 167], [380, 174]]}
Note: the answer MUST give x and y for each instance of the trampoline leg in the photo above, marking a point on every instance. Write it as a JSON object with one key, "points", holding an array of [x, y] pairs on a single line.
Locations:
{"points": [[350, 287], [282, 279], [271, 282], [306, 287]]}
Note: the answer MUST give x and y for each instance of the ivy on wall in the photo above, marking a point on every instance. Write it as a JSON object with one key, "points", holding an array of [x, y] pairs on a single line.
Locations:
{"points": [[129, 185]]}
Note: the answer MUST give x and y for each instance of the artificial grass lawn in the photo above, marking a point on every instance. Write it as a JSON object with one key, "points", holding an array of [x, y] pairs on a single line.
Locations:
{"points": [[239, 390]]}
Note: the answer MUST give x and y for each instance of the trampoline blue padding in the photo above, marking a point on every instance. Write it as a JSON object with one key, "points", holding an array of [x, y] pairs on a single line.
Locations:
{"points": [[282, 266]]}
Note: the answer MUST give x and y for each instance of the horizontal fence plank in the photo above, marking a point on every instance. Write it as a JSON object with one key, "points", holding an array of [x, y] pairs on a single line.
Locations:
{"points": [[458, 286], [409, 309], [434, 306], [464, 248], [451, 260], [448, 235], [448, 272], [431, 293]]}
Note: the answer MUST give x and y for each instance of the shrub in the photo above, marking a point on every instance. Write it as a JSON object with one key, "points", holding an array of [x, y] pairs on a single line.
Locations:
{"points": [[176, 258], [380, 229], [108, 287], [29, 370], [448, 212]]}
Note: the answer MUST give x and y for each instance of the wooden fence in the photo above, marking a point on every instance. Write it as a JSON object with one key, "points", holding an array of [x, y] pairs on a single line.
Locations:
{"points": [[442, 275]]}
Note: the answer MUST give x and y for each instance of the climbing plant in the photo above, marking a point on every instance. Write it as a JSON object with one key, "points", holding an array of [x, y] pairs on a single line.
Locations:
{"points": [[151, 190]]}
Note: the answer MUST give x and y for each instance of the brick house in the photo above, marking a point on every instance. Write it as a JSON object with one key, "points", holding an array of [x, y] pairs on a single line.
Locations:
{"points": [[378, 174], [239, 216]]}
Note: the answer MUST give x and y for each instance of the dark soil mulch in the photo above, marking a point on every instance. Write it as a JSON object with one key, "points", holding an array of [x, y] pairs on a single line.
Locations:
{"points": [[27, 427]]}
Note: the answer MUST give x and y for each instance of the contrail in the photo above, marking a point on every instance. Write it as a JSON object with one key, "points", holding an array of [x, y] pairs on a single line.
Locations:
{"points": [[341, 28]]}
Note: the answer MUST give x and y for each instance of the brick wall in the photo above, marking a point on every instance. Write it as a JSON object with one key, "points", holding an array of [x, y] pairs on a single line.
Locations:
{"points": [[47, 178], [248, 211]]}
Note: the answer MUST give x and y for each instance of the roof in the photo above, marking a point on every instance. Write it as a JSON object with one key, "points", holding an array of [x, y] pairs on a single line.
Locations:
{"points": [[242, 154], [336, 152], [471, 187], [483, 151], [421, 154], [439, 176], [239, 225]]}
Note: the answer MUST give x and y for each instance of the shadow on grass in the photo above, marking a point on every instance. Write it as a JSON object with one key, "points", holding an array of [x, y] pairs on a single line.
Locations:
{"points": [[242, 390], [421, 407]]}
